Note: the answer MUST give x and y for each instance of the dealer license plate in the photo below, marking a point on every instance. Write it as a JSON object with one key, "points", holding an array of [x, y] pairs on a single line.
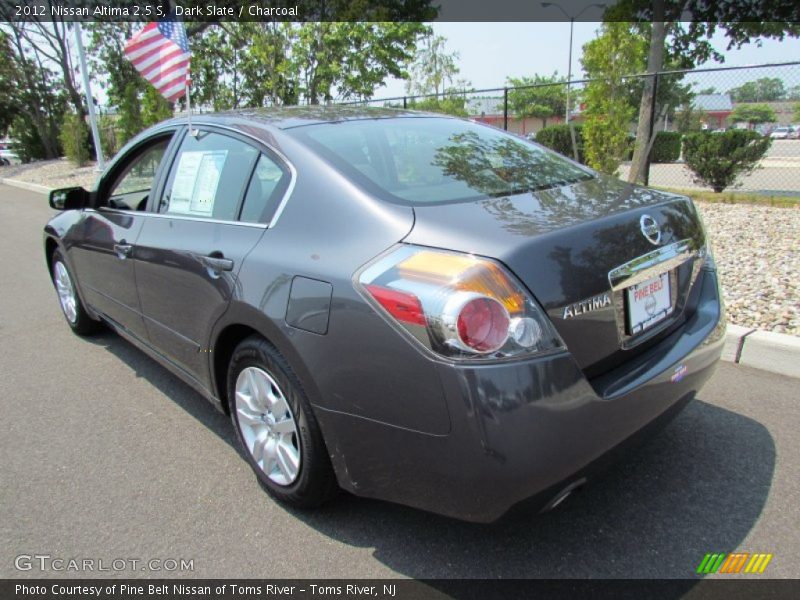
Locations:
{"points": [[649, 302]]}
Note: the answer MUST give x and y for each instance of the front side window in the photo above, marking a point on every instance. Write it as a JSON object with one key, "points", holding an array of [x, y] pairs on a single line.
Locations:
{"points": [[426, 160], [208, 177], [133, 184]]}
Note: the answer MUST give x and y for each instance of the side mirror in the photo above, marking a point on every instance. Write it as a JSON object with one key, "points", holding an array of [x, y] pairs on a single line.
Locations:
{"points": [[68, 198]]}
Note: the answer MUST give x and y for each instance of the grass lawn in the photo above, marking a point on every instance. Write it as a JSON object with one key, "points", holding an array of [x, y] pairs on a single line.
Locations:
{"points": [[739, 198]]}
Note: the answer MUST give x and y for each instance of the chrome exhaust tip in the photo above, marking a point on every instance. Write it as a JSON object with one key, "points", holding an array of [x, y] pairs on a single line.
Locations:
{"points": [[564, 494]]}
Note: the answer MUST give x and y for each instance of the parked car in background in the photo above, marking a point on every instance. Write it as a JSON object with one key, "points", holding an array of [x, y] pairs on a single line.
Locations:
{"points": [[7, 154], [408, 306], [782, 133]]}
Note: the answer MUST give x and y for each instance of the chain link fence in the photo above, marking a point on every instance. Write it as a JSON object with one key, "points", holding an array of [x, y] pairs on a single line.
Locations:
{"points": [[763, 99]]}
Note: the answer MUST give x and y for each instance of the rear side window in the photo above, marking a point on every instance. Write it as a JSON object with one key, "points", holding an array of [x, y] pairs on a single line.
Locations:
{"points": [[267, 186], [427, 160], [208, 177]]}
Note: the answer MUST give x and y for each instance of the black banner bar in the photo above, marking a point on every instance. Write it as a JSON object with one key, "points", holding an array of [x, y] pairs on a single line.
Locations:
{"points": [[397, 589], [785, 12]]}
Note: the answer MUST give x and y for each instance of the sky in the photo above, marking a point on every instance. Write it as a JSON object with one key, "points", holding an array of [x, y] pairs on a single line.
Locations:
{"points": [[490, 52]]}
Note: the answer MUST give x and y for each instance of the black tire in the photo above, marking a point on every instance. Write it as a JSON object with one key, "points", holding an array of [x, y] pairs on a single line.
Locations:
{"points": [[82, 324], [315, 482]]}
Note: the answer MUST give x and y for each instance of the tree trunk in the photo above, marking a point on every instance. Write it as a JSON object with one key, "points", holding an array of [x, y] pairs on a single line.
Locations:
{"points": [[655, 62], [34, 110], [75, 96]]}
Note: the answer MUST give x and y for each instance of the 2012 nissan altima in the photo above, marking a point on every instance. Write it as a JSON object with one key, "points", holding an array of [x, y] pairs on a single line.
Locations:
{"points": [[407, 306]]}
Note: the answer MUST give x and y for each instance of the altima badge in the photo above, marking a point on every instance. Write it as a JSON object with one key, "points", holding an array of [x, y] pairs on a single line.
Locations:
{"points": [[586, 306], [650, 229]]}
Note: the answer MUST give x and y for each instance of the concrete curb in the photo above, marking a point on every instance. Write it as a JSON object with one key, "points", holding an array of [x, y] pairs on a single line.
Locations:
{"points": [[766, 350], [31, 187]]}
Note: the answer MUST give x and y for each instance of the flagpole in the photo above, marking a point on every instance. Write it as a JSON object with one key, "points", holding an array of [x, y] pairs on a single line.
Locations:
{"points": [[87, 90], [189, 104]]}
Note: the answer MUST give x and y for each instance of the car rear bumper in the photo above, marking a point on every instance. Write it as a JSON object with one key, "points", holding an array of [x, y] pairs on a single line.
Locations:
{"points": [[527, 429]]}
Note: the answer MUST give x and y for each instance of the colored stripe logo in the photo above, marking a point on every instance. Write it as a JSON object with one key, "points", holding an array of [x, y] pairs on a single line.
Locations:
{"points": [[735, 562]]}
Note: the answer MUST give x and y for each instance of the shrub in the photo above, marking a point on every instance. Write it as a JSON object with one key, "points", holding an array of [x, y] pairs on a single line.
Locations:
{"points": [[449, 105], [108, 135], [74, 139], [558, 138], [29, 144], [666, 147], [717, 159]]}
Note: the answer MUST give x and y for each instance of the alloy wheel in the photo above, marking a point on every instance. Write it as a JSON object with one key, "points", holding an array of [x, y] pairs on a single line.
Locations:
{"points": [[66, 292], [268, 427]]}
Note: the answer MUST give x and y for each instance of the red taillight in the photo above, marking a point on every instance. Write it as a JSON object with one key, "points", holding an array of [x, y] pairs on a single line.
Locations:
{"points": [[403, 306], [456, 305], [483, 324]]}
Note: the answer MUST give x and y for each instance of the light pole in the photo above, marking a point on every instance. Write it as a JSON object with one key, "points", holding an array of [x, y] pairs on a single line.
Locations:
{"points": [[87, 90], [571, 27]]}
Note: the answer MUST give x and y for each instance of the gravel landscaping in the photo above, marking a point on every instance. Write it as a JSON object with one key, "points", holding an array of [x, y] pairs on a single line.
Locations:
{"points": [[757, 249], [52, 173]]}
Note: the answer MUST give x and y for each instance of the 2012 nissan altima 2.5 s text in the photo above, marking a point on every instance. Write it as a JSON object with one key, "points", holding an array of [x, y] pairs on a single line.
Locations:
{"points": [[407, 306]]}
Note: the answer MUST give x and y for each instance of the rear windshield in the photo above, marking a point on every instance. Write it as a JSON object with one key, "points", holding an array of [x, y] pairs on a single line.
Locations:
{"points": [[421, 160]]}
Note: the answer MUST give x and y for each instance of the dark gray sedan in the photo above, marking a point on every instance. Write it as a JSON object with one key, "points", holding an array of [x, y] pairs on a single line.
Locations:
{"points": [[406, 306]]}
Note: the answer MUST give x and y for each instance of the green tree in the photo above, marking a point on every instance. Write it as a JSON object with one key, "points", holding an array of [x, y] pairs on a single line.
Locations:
{"points": [[608, 109], [215, 67], [546, 100], [450, 104], [108, 135], [130, 120], [689, 118], [155, 108], [36, 100], [718, 159], [753, 114], [49, 41], [263, 73], [8, 82], [797, 111], [434, 68], [671, 93], [75, 139], [285, 63], [766, 89], [107, 61], [559, 138], [686, 44]]}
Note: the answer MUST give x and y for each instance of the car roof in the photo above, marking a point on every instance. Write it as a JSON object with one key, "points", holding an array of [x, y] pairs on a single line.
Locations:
{"points": [[288, 117]]}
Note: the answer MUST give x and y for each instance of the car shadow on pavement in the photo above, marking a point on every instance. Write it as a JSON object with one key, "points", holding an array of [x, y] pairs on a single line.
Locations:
{"points": [[698, 486], [168, 384]]}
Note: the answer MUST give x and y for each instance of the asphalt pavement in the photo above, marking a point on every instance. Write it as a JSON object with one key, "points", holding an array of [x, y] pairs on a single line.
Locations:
{"points": [[105, 456]]}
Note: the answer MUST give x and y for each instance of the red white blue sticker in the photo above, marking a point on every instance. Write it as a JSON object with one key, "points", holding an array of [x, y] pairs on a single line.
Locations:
{"points": [[679, 373]]}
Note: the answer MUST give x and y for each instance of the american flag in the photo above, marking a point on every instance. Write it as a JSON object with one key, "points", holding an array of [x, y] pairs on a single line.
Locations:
{"points": [[160, 52]]}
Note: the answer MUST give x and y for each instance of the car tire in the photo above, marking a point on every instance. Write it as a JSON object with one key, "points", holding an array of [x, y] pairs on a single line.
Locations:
{"points": [[71, 306], [276, 427]]}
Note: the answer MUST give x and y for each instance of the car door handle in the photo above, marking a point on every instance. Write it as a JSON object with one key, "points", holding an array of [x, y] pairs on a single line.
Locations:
{"points": [[123, 250], [217, 262]]}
